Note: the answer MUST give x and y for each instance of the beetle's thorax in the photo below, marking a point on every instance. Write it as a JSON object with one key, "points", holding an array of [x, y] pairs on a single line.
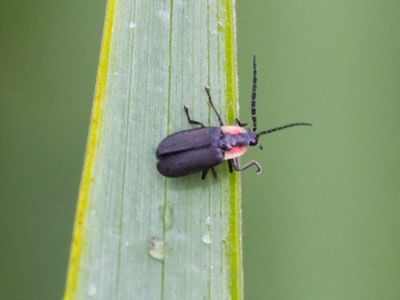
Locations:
{"points": [[236, 140]]}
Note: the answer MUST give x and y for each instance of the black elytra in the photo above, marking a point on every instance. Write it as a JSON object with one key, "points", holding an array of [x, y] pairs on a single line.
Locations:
{"points": [[200, 149]]}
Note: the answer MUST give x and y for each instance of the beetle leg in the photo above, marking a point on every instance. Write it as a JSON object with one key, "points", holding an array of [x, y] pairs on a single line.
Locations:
{"points": [[213, 107], [186, 108], [230, 165], [248, 165], [204, 174], [237, 122], [214, 172]]}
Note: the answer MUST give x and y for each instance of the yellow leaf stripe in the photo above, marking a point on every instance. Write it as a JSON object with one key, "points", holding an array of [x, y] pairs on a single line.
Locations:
{"points": [[91, 152]]}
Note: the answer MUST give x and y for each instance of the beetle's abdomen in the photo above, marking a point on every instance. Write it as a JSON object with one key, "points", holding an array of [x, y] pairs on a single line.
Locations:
{"points": [[188, 140], [188, 162]]}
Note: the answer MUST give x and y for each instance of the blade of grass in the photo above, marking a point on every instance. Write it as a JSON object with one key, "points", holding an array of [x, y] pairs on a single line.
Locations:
{"points": [[137, 234]]}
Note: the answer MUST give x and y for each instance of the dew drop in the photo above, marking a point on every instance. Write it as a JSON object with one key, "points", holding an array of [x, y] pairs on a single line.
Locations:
{"points": [[92, 290], [156, 248], [206, 239], [208, 220], [132, 25], [163, 13]]}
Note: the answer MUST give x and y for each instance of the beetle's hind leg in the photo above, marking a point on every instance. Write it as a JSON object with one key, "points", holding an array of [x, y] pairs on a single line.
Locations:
{"points": [[214, 172], [186, 108], [204, 174], [248, 165]]}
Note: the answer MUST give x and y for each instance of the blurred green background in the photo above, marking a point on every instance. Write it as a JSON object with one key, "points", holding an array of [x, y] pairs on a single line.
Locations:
{"points": [[323, 219]]}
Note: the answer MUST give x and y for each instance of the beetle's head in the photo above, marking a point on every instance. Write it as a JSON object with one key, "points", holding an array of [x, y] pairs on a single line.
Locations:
{"points": [[252, 137]]}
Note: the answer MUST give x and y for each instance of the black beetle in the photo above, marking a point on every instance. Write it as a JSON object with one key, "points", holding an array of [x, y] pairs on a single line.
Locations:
{"points": [[200, 149]]}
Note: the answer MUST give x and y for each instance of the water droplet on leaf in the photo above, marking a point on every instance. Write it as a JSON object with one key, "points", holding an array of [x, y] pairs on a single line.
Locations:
{"points": [[156, 248], [206, 239]]}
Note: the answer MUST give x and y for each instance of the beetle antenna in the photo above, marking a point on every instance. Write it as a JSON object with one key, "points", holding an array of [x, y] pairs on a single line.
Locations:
{"points": [[282, 127], [253, 95]]}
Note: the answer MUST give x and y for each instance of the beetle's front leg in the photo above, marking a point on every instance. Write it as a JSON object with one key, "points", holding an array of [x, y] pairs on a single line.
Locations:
{"points": [[248, 165], [237, 122], [186, 108]]}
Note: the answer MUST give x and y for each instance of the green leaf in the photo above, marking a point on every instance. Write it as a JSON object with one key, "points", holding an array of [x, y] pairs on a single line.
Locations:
{"points": [[139, 235]]}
